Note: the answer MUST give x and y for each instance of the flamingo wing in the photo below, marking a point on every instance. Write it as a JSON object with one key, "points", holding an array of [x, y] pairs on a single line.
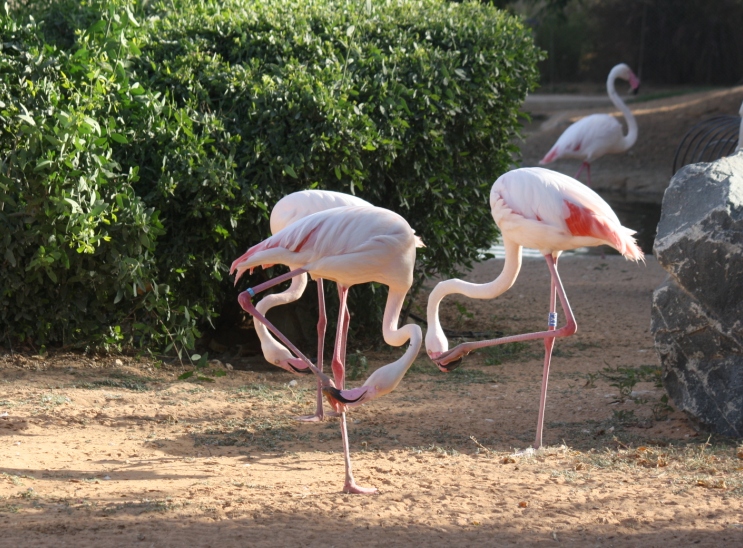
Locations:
{"points": [[589, 138], [344, 244]]}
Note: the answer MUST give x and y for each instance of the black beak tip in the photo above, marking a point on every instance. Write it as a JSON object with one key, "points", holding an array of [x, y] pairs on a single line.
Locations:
{"points": [[636, 90], [451, 366]]}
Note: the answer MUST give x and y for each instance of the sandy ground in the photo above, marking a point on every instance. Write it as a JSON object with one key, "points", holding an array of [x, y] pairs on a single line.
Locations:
{"points": [[112, 451], [99, 452]]}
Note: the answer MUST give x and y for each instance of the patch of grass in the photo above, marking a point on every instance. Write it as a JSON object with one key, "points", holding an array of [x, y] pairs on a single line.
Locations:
{"points": [[54, 400], [624, 379], [496, 355], [467, 376], [356, 366], [265, 434], [275, 394], [119, 379], [667, 94]]}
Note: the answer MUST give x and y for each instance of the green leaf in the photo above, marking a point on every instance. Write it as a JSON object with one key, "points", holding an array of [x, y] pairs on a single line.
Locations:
{"points": [[186, 375], [119, 138], [290, 171]]}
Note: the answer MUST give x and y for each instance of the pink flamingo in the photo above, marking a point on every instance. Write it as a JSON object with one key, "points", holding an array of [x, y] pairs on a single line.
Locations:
{"points": [[544, 210], [347, 245], [286, 211], [591, 137]]}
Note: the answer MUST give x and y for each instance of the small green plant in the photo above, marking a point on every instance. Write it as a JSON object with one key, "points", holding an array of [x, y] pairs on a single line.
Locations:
{"points": [[496, 355], [356, 366], [201, 371], [591, 380], [662, 409], [625, 417], [462, 313]]}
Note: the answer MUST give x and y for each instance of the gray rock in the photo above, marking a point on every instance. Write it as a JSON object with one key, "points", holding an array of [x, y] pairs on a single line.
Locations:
{"points": [[697, 314]]}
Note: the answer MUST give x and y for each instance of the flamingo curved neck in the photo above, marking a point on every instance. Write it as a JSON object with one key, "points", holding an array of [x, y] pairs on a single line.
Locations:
{"points": [[629, 139], [393, 335], [271, 348], [385, 379], [511, 267]]}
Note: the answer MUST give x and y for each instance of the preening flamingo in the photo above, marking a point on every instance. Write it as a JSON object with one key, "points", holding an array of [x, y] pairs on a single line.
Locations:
{"points": [[286, 211], [593, 136], [347, 245], [544, 210]]}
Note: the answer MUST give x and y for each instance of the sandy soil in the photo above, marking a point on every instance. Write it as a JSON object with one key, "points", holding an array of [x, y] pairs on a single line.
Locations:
{"points": [[100, 452], [111, 451]]}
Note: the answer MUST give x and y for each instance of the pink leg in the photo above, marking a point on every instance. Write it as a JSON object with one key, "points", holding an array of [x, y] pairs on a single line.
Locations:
{"points": [[588, 171], [350, 484], [549, 343], [246, 303], [568, 329], [338, 364], [322, 323]]}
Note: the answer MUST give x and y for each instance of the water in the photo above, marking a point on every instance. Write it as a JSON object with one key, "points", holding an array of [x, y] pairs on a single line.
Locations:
{"points": [[638, 212]]}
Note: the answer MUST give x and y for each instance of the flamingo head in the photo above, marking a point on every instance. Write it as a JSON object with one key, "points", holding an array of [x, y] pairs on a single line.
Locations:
{"points": [[341, 400]]}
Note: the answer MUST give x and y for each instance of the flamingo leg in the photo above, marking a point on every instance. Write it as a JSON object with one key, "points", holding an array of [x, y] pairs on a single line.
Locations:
{"points": [[588, 171], [549, 343], [338, 364], [322, 323], [568, 329], [580, 170], [339, 371], [350, 485], [246, 303]]}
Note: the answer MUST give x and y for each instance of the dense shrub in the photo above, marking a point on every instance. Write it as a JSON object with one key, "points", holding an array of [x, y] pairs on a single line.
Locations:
{"points": [[202, 114]]}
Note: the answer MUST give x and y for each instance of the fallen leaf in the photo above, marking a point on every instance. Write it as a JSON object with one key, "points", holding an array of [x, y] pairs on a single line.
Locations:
{"points": [[523, 504]]}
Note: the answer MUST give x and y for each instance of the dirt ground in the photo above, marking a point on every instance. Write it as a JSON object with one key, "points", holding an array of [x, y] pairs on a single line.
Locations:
{"points": [[111, 451]]}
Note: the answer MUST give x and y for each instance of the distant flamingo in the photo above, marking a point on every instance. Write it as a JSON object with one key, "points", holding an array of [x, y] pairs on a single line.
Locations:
{"points": [[286, 211], [348, 245], [593, 136], [544, 210]]}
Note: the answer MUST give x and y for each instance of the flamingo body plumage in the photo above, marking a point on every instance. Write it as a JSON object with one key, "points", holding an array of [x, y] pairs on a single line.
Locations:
{"points": [[348, 245], [544, 210], [592, 137]]}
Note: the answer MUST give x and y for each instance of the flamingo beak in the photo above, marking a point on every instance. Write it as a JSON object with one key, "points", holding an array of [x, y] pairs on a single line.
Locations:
{"points": [[334, 396], [446, 367], [298, 366], [449, 367], [634, 84]]}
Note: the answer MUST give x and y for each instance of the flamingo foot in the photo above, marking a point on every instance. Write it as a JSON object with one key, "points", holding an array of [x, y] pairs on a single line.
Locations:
{"points": [[353, 489]]}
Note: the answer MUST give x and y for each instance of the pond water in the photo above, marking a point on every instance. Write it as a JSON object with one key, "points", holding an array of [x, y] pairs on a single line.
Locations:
{"points": [[638, 212]]}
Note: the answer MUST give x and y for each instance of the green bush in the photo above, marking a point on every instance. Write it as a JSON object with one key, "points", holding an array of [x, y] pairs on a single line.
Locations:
{"points": [[192, 118]]}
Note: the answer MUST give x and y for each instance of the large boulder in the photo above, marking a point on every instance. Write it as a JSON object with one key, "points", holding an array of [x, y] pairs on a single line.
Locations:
{"points": [[697, 315]]}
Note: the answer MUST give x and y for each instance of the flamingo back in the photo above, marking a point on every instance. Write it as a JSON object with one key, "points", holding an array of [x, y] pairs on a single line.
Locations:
{"points": [[306, 202], [587, 139], [348, 245], [549, 211]]}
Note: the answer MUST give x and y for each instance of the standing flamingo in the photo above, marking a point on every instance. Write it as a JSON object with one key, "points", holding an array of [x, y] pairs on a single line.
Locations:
{"points": [[286, 211], [593, 136], [548, 211], [347, 245]]}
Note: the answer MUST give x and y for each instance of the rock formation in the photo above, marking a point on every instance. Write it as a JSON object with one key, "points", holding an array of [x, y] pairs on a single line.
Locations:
{"points": [[697, 315]]}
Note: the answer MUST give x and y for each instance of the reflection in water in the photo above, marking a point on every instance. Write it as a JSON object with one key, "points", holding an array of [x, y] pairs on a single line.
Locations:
{"points": [[638, 212]]}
